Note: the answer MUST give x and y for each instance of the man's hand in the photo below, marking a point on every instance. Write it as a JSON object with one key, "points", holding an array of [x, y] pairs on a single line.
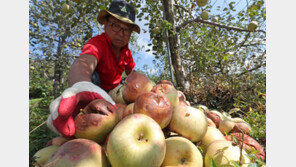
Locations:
{"points": [[65, 108]]}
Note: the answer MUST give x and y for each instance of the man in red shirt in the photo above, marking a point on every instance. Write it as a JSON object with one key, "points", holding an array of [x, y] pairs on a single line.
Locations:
{"points": [[106, 56]]}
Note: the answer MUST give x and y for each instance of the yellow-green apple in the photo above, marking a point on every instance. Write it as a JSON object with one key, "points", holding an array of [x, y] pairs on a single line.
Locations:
{"points": [[211, 135], [215, 19], [42, 156], [137, 140], [169, 91], [65, 8], [223, 153], [181, 152], [205, 15], [93, 123], [211, 123], [189, 122], [135, 84], [79, 153], [156, 106], [128, 110], [57, 141], [116, 94], [252, 26], [229, 125], [201, 3]]}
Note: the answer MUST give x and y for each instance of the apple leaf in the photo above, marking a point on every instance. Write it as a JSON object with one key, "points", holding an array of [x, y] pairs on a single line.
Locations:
{"points": [[213, 164], [235, 164]]}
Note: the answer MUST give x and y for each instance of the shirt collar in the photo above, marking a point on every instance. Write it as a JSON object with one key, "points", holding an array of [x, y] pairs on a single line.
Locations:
{"points": [[124, 48]]}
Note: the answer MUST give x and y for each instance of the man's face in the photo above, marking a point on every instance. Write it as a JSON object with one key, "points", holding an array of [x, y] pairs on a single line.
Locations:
{"points": [[118, 32]]}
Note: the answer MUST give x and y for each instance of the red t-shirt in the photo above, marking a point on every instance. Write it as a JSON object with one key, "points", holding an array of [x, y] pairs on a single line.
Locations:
{"points": [[109, 68]]}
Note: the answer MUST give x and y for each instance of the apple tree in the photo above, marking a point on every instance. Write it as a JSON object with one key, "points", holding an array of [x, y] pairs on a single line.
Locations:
{"points": [[206, 39]]}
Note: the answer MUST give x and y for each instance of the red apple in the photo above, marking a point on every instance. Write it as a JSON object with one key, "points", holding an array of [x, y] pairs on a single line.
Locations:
{"points": [[79, 152], [135, 85], [120, 110], [155, 106], [169, 91], [93, 124], [249, 144]]}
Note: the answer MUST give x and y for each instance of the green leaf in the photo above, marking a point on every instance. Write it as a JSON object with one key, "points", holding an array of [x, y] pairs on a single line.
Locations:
{"points": [[253, 165], [235, 164], [213, 164]]}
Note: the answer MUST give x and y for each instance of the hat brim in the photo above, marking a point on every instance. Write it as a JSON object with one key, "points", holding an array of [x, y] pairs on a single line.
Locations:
{"points": [[102, 18]]}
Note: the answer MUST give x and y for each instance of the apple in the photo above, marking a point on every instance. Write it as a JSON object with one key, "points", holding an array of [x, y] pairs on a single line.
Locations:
{"points": [[186, 103], [120, 110], [92, 124], [201, 107], [79, 153], [165, 82], [156, 30], [211, 123], [223, 152], [156, 106], [252, 26], [57, 141], [189, 122], [42, 156], [229, 125], [116, 94], [201, 3], [181, 95], [211, 135], [181, 152], [65, 8], [205, 15], [136, 84], [215, 116], [128, 110], [250, 144], [226, 125], [137, 140], [169, 91], [215, 19]]}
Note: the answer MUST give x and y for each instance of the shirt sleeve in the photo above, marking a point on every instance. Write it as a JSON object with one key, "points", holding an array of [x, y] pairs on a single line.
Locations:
{"points": [[131, 64], [91, 48]]}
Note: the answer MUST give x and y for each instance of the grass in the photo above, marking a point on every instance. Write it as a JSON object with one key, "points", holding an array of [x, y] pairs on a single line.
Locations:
{"points": [[39, 133]]}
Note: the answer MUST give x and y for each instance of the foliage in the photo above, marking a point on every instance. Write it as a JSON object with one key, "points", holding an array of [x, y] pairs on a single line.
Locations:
{"points": [[39, 133]]}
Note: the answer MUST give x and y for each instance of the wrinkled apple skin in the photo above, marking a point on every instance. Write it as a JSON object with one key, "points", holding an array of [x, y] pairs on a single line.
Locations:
{"points": [[135, 85], [155, 106]]}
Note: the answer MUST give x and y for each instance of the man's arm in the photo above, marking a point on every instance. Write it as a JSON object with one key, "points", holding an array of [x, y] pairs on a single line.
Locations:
{"points": [[82, 69]]}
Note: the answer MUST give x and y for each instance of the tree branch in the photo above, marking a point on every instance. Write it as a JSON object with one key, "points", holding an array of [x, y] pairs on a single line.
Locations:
{"points": [[214, 24], [182, 7]]}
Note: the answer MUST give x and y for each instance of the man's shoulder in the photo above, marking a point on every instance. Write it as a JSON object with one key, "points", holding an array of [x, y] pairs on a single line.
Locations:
{"points": [[97, 39]]}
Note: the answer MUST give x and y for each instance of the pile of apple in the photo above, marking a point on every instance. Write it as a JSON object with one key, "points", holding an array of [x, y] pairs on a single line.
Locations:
{"points": [[152, 125]]}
